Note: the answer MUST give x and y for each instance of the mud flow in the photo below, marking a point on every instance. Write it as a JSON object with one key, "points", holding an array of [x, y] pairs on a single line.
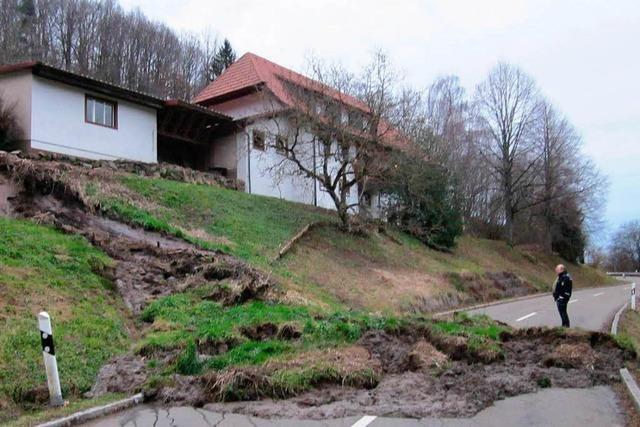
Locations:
{"points": [[147, 265], [420, 379], [412, 372]]}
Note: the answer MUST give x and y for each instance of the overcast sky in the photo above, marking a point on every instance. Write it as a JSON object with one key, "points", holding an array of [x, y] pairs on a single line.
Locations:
{"points": [[585, 55]]}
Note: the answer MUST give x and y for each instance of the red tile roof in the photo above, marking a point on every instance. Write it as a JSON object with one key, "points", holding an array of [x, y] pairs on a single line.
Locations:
{"points": [[252, 71]]}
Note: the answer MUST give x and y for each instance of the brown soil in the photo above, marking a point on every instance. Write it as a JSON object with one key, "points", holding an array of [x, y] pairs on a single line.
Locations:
{"points": [[148, 265], [461, 388], [404, 381]]}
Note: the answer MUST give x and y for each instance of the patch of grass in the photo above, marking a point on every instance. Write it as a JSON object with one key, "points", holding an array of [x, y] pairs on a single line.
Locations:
{"points": [[544, 382], [188, 363], [471, 326], [43, 269], [628, 336], [250, 353], [255, 226], [290, 382], [75, 405], [186, 319]]}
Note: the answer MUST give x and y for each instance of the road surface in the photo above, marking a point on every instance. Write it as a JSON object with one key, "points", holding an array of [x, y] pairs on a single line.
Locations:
{"points": [[590, 309], [598, 406]]}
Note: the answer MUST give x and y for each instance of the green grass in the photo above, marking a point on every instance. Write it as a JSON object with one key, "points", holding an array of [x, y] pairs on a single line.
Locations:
{"points": [[74, 405], [382, 275], [629, 331], [248, 226], [184, 319], [471, 326], [42, 269]]}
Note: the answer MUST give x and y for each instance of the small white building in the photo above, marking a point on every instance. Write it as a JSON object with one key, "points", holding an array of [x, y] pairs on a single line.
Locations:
{"points": [[67, 113]]}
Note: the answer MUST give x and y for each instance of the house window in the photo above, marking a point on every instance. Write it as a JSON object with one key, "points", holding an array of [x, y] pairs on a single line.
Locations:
{"points": [[281, 144], [258, 140], [101, 112]]}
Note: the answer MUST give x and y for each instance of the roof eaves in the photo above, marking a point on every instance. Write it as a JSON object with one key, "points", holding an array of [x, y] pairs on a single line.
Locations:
{"points": [[50, 72]]}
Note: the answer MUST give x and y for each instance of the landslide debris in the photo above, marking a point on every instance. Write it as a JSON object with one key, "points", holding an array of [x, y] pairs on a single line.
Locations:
{"points": [[415, 370], [460, 387], [148, 265]]}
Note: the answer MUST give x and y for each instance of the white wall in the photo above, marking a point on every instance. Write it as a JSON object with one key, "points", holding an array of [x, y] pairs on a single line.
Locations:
{"points": [[269, 175], [262, 171], [58, 125], [15, 90], [248, 105]]}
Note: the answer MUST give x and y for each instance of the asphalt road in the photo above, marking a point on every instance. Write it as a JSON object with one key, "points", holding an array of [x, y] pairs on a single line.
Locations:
{"points": [[596, 406], [590, 309]]}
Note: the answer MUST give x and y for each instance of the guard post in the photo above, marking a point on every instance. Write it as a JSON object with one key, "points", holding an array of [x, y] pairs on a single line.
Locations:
{"points": [[633, 296], [49, 355]]}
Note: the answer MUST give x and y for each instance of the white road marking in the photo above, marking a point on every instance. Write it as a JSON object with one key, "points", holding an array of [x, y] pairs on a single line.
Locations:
{"points": [[364, 421], [598, 294], [526, 317], [573, 300]]}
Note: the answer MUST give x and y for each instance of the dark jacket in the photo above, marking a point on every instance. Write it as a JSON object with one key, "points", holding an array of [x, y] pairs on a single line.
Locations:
{"points": [[562, 289]]}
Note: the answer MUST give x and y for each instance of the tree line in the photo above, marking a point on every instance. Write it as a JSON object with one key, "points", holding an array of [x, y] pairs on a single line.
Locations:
{"points": [[515, 162], [102, 40]]}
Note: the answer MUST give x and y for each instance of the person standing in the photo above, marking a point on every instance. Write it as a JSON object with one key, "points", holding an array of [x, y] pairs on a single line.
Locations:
{"points": [[562, 293]]}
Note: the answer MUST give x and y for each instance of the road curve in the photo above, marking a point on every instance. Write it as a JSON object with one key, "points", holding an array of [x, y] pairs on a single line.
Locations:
{"points": [[590, 309]]}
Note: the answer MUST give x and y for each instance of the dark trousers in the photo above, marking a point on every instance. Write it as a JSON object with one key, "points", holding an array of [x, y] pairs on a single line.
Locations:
{"points": [[562, 309]]}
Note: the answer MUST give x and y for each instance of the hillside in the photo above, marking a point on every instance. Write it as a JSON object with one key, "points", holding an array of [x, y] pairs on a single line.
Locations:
{"points": [[388, 271], [183, 282], [41, 268]]}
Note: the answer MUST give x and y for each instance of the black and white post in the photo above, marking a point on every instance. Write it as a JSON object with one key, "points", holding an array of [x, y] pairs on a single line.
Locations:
{"points": [[633, 296], [50, 363]]}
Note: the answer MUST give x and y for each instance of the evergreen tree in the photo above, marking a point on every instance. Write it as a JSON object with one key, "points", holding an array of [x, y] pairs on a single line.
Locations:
{"points": [[224, 56]]}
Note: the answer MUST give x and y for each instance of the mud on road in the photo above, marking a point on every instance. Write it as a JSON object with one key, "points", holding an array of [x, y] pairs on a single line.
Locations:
{"points": [[462, 388]]}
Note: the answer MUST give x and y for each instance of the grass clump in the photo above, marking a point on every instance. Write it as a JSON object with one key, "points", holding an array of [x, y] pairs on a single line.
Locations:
{"points": [[628, 336], [43, 269], [188, 363]]}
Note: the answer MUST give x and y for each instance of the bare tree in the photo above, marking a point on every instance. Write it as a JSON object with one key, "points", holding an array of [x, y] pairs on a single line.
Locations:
{"points": [[625, 248], [507, 103], [100, 39], [336, 130]]}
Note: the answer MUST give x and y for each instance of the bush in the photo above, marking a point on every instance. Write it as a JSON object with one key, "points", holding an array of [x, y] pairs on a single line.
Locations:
{"points": [[10, 131], [422, 202]]}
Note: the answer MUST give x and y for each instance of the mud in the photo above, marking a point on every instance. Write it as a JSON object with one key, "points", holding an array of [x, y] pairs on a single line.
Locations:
{"points": [[147, 265], [459, 389]]}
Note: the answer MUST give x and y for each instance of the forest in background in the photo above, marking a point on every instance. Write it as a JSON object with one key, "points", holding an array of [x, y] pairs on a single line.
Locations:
{"points": [[102, 40]]}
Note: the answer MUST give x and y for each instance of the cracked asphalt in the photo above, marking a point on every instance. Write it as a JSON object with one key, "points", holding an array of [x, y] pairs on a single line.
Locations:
{"points": [[597, 406]]}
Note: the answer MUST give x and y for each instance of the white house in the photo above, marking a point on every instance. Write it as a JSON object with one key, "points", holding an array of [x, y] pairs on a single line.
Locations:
{"points": [[68, 113], [257, 94]]}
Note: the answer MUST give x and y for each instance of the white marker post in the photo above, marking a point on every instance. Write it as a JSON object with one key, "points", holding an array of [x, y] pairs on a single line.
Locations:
{"points": [[50, 363], [633, 296]]}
